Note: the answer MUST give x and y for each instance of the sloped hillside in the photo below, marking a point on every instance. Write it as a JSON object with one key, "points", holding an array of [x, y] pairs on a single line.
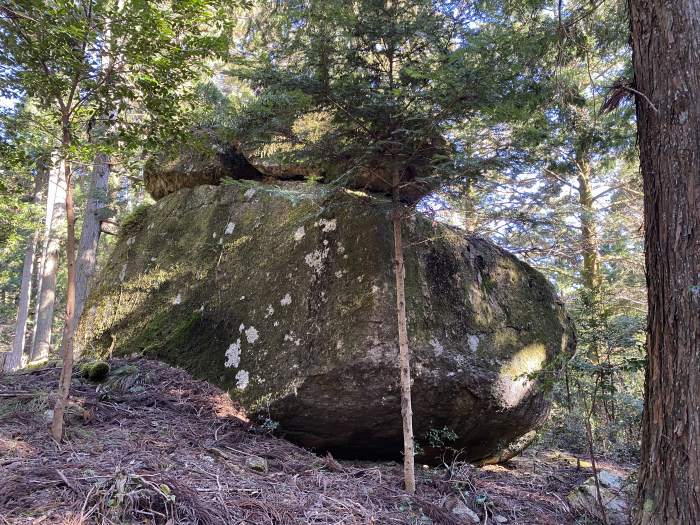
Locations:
{"points": [[152, 445]]}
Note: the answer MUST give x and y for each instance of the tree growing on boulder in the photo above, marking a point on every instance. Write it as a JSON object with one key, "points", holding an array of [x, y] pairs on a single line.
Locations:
{"points": [[383, 96]]}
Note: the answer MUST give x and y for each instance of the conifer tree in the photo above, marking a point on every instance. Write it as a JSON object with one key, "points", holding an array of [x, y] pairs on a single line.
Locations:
{"points": [[384, 94]]}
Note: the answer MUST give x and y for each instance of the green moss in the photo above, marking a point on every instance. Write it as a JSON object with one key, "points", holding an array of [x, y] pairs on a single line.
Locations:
{"points": [[134, 222], [96, 371], [489, 284]]}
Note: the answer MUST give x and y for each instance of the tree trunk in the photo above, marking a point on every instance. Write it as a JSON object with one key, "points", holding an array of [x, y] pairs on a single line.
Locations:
{"points": [[67, 342], [47, 294], [666, 54], [469, 206], [53, 182], [591, 266], [90, 233], [404, 355], [13, 360]]}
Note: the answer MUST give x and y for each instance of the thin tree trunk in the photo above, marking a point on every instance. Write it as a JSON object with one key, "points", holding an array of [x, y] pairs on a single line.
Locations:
{"points": [[591, 266], [404, 354], [13, 361], [90, 232], [469, 206], [666, 54], [47, 295], [67, 349], [97, 201]]}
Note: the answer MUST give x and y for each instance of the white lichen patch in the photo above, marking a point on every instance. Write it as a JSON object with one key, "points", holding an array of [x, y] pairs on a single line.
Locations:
{"points": [[229, 228], [375, 289], [327, 225], [251, 334], [339, 274], [249, 193], [299, 234], [437, 346], [177, 299], [340, 248], [270, 311], [315, 259], [276, 323], [241, 328], [233, 355], [213, 235], [291, 337], [242, 379], [286, 300], [473, 343]]}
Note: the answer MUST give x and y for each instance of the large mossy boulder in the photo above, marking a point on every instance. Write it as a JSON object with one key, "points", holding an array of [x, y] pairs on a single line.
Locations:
{"points": [[284, 295]]}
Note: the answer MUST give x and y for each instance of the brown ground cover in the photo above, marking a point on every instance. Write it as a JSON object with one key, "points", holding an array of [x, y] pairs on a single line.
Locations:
{"points": [[153, 445]]}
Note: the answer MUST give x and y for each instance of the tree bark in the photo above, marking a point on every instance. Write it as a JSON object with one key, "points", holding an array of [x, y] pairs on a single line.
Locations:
{"points": [[67, 342], [53, 182], [469, 206], [666, 55], [47, 294], [13, 360], [404, 354], [589, 239], [90, 232]]}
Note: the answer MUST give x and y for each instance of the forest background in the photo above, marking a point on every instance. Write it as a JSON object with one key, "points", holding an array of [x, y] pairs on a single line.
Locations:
{"points": [[547, 169]]}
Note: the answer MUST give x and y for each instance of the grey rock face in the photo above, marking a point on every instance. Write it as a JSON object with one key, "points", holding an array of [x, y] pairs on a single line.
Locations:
{"points": [[284, 295]]}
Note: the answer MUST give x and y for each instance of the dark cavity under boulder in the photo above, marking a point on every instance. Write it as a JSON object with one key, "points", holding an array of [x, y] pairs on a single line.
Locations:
{"points": [[284, 295]]}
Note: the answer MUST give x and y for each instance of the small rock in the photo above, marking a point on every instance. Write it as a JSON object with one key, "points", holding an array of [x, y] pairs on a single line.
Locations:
{"points": [[96, 371], [616, 493], [500, 519], [256, 463], [48, 416], [460, 509]]}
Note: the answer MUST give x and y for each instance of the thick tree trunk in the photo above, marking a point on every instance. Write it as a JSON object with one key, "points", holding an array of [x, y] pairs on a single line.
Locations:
{"points": [[404, 354], [67, 342], [90, 232], [47, 294], [13, 360], [54, 174], [666, 53]]}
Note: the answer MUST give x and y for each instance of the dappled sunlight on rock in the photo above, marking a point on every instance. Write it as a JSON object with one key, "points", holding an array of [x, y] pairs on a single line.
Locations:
{"points": [[515, 382]]}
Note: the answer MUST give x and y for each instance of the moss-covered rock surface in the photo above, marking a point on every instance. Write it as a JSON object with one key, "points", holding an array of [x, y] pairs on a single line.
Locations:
{"points": [[284, 296]]}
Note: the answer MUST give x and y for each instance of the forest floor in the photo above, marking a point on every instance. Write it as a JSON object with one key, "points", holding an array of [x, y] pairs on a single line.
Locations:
{"points": [[152, 445]]}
